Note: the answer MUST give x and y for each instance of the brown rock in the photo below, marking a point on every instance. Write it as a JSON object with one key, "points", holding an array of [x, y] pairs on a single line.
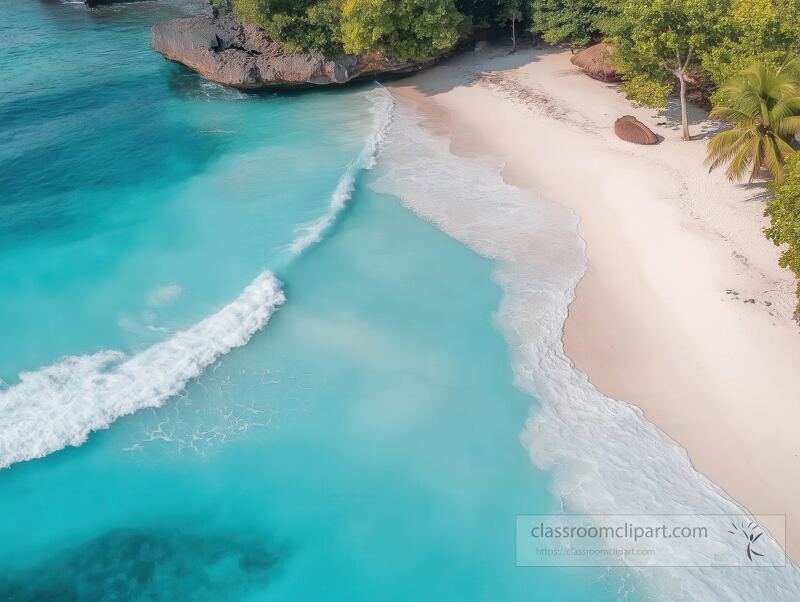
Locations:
{"points": [[597, 62], [243, 56], [630, 129]]}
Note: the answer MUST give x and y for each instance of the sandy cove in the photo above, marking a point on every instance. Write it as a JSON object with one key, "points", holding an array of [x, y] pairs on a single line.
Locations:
{"points": [[683, 310]]}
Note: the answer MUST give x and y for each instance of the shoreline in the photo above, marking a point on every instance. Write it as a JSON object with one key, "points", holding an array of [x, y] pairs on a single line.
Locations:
{"points": [[653, 322]]}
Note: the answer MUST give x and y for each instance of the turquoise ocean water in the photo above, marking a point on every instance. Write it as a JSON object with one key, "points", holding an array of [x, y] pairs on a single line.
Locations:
{"points": [[346, 429]]}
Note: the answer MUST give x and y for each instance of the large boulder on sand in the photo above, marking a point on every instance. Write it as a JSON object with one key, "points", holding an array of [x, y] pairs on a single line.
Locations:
{"points": [[630, 129], [597, 62], [242, 56]]}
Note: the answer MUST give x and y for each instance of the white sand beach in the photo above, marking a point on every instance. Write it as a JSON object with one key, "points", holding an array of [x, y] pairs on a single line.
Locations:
{"points": [[683, 310]]}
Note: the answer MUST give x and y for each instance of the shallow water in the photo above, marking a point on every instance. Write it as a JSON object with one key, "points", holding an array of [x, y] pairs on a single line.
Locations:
{"points": [[359, 441]]}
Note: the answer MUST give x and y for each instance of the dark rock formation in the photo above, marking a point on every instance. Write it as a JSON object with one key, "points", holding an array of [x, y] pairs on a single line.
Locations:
{"points": [[242, 56], [630, 129]]}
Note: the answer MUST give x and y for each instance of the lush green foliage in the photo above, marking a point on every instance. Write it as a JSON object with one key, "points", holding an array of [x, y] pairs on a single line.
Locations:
{"points": [[784, 214], [659, 38], [763, 106], [404, 29], [573, 21], [755, 30], [726, 35], [303, 25]]}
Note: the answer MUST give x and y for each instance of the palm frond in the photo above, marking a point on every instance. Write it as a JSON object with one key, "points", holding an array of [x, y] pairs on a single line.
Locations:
{"points": [[787, 106], [763, 106], [773, 159], [788, 126], [732, 115], [784, 147], [723, 146], [741, 160], [757, 160]]}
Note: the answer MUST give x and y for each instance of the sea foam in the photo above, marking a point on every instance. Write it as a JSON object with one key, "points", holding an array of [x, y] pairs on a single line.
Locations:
{"points": [[59, 405], [604, 455], [381, 105]]}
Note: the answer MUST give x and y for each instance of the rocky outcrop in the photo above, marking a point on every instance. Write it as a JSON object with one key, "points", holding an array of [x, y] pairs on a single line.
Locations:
{"points": [[243, 56]]}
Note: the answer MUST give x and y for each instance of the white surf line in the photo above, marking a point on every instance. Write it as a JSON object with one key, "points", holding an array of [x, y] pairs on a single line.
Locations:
{"points": [[381, 108], [60, 405], [606, 458]]}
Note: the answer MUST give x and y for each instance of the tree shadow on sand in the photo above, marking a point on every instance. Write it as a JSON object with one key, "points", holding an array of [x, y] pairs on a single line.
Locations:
{"points": [[464, 72], [700, 127]]}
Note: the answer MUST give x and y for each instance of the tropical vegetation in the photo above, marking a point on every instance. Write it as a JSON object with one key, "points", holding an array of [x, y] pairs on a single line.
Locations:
{"points": [[734, 54], [660, 42], [574, 22], [664, 45], [303, 25], [762, 104], [669, 44], [784, 214], [404, 29]]}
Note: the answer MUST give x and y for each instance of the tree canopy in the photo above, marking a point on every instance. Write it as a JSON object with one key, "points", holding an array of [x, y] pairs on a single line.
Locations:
{"points": [[754, 30], [726, 36], [784, 214], [657, 40], [573, 21], [404, 29], [302, 25]]}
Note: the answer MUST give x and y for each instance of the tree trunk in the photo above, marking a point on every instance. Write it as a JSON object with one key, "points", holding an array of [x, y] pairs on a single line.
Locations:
{"points": [[513, 36], [684, 112]]}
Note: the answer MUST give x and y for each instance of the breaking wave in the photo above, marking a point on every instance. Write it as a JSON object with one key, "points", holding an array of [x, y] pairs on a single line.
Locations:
{"points": [[381, 104], [59, 405]]}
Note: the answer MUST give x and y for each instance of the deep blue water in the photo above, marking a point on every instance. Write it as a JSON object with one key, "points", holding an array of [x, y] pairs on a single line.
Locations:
{"points": [[363, 445]]}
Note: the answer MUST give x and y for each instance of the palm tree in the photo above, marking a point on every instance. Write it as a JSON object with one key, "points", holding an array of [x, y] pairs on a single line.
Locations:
{"points": [[763, 106]]}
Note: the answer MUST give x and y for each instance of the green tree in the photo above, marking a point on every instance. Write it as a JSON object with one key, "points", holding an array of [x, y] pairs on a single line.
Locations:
{"points": [[511, 12], [302, 25], [763, 106], [573, 21], [659, 40], [756, 30], [404, 29], [784, 214]]}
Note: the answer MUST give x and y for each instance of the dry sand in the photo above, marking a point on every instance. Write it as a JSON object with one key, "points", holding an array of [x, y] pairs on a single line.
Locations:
{"points": [[662, 318]]}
